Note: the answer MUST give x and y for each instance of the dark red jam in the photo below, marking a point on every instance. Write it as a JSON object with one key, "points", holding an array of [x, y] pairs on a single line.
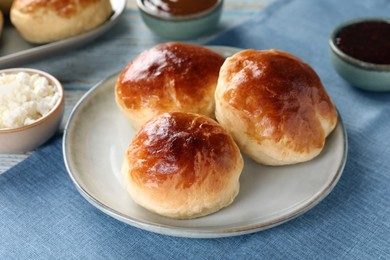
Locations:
{"points": [[367, 41], [179, 7]]}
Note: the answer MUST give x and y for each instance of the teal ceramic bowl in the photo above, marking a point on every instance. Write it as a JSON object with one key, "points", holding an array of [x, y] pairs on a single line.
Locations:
{"points": [[360, 74], [183, 27]]}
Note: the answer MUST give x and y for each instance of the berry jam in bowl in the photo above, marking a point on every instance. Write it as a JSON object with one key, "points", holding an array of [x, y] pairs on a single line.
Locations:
{"points": [[360, 52], [180, 19]]}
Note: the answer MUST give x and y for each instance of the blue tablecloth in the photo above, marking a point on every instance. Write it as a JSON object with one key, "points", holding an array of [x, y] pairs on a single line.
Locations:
{"points": [[43, 216]]}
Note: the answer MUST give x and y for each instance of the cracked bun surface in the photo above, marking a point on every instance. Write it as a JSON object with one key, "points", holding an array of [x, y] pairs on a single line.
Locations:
{"points": [[182, 165], [275, 106], [44, 21], [168, 77]]}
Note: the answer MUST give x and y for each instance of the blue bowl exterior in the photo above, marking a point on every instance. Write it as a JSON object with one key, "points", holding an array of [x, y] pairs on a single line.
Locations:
{"points": [[362, 78], [182, 29]]}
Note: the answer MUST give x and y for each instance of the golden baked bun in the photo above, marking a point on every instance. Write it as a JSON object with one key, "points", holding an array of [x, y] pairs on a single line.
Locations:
{"points": [[275, 106], [182, 165], [43, 21], [5, 5], [168, 77]]}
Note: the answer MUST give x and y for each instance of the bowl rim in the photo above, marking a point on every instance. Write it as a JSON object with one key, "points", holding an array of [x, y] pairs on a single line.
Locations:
{"points": [[166, 17], [349, 59], [59, 104]]}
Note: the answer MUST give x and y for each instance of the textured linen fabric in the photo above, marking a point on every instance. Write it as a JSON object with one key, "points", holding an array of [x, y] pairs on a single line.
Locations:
{"points": [[42, 216]]}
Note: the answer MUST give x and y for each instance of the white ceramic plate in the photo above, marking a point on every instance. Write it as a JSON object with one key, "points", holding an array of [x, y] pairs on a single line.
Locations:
{"points": [[97, 135], [14, 50]]}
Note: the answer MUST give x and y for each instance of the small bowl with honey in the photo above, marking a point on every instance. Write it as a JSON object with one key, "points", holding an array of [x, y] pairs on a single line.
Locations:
{"points": [[180, 19], [360, 52]]}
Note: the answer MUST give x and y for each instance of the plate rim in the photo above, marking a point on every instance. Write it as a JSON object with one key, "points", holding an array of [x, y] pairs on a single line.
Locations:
{"points": [[27, 55], [190, 232]]}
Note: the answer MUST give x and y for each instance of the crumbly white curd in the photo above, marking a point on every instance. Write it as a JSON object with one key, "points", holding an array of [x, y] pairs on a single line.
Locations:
{"points": [[25, 98]]}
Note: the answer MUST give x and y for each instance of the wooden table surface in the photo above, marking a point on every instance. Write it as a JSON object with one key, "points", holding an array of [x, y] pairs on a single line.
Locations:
{"points": [[80, 69]]}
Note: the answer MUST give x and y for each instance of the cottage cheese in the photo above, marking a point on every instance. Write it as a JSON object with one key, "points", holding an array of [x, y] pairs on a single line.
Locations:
{"points": [[24, 98]]}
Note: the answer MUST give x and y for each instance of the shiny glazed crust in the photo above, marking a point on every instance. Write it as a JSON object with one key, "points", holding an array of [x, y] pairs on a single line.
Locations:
{"points": [[43, 21], [275, 106], [182, 165], [168, 77]]}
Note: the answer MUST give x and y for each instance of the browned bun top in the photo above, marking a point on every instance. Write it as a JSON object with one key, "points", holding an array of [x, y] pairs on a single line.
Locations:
{"points": [[44, 21], [280, 96], [170, 75], [178, 150], [62, 8]]}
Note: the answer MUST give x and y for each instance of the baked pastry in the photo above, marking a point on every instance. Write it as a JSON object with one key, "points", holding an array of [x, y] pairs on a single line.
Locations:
{"points": [[43, 21], [275, 106], [182, 165], [168, 77]]}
